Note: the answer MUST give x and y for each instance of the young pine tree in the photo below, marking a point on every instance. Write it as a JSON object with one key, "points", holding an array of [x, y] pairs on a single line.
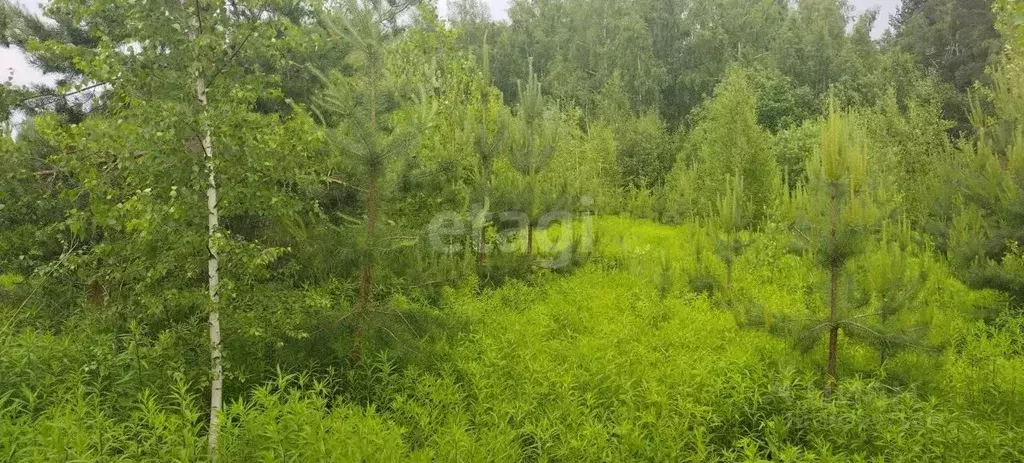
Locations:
{"points": [[834, 213], [893, 283], [367, 104], [987, 235], [488, 126], [730, 219], [727, 141], [533, 143]]}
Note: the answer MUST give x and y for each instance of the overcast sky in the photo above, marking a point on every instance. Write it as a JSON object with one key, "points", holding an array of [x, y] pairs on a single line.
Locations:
{"points": [[886, 8], [14, 61]]}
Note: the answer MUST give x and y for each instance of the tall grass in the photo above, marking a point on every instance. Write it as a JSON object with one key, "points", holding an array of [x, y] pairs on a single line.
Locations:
{"points": [[618, 360]]}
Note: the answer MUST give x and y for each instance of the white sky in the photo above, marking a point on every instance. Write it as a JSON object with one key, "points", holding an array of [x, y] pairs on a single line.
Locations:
{"points": [[13, 60], [499, 9]]}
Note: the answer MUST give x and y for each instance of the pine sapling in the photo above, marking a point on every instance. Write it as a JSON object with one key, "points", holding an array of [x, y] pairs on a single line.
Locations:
{"points": [[833, 213], [533, 145]]}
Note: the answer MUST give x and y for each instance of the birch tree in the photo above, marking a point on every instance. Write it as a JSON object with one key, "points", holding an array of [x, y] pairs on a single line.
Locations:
{"points": [[178, 91], [195, 31]]}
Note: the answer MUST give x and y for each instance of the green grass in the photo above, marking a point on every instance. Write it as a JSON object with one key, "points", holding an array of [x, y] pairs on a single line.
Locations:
{"points": [[602, 364]]}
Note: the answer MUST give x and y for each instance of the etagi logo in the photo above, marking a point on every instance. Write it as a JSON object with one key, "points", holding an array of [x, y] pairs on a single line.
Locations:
{"points": [[557, 236]]}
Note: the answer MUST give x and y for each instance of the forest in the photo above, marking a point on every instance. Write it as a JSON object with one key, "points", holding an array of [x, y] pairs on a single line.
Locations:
{"points": [[595, 230]]}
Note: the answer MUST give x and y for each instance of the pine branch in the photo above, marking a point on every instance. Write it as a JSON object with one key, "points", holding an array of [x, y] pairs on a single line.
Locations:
{"points": [[62, 95]]}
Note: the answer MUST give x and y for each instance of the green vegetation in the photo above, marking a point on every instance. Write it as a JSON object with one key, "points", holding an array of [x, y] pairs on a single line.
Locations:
{"points": [[602, 230]]}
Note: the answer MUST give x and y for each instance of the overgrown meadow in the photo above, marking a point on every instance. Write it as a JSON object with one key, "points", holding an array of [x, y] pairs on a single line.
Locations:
{"points": [[596, 231]]}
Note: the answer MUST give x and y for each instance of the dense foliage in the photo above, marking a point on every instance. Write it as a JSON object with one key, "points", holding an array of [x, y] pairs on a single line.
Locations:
{"points": [[601, 230]]}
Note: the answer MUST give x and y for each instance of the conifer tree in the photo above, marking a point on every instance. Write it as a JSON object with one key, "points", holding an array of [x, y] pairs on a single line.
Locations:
{"points": [[488, 125], [730, 219], [366, 104], [872, 283], [987, 233], [893, 284], [19, 28], [834, 215], [533, 142], [986, 236], [727, 142]]}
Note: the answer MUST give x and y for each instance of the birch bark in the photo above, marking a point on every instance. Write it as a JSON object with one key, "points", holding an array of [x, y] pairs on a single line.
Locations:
{"points": [[213, 259]]}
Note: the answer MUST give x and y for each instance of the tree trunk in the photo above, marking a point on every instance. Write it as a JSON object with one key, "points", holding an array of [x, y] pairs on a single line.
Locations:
{"points": [[481, 238], [833, 333], [833, 339], [728, 283], [366, 277], [481, 247], [213, 264], [529, 238], [213, 260]]}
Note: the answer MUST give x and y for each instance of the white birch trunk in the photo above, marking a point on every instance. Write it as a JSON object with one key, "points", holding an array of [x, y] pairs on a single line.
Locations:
{"points": [[213, 219], [213, 262]]}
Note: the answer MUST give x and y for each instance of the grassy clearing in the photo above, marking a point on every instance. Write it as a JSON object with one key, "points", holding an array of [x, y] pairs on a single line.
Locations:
{"points": [[598, 365]]}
